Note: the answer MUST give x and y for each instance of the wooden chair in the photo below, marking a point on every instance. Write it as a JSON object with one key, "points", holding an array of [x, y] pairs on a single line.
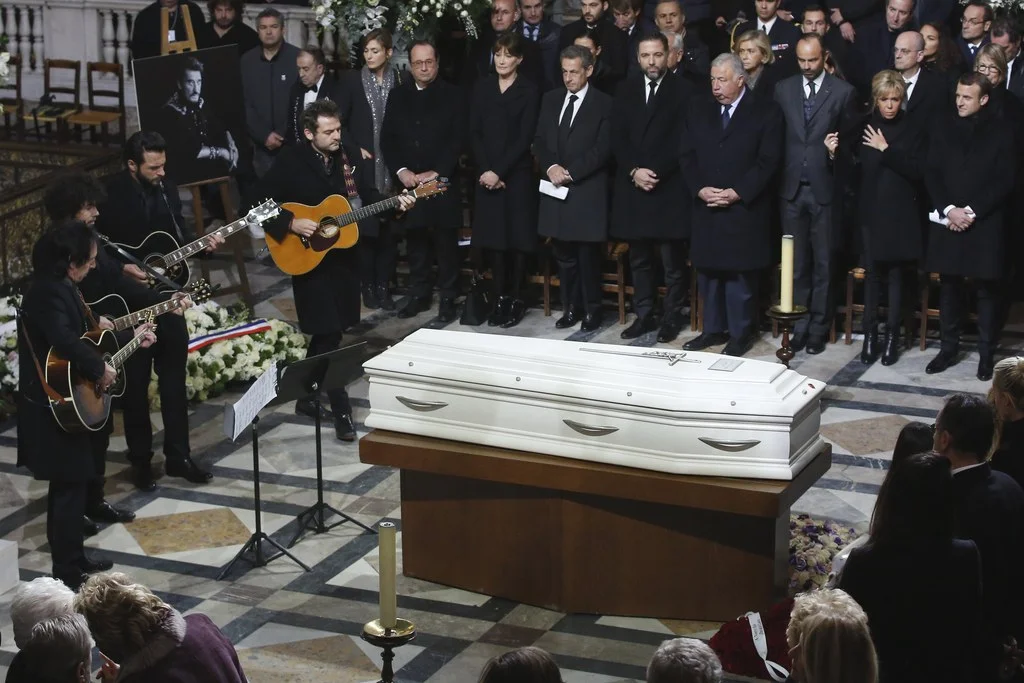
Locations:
{"points": [[927, 313], [612, 282], [99, 115], [10, 98], [72, 103], [853, 276]]}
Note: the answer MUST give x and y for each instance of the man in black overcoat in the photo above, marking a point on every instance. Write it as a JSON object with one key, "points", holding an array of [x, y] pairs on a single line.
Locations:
{"points": [[226, 27], [327, 297], [988, 508], [732, 151], [927, 91], [422, 136], [970, 177], [505, 16], [141, 200], [546, 33], [311, 86], [1006, 34], [649, 204], [873, 51], [614, 43], [573, 149]]}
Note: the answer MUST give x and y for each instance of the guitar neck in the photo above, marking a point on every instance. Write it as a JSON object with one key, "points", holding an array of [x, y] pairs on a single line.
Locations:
{"points": [[119, 358], [367, 211], [133, 319], [193, 248]]}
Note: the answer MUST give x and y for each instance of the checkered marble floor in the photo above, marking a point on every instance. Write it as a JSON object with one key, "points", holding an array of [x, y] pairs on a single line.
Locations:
{"points": [[290, 625]]}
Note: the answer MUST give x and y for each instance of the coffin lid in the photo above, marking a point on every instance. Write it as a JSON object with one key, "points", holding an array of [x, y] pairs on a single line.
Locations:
{"points": [[579, 372]]}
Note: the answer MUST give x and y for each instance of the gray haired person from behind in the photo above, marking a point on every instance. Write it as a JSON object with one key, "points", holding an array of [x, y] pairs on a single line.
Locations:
{"points": [[36, 601], [58, 651], [684, 660]]}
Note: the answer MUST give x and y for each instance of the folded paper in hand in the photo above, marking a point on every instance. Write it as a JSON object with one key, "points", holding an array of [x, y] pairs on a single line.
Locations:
{"points": [[548, 188], [936, 217]]}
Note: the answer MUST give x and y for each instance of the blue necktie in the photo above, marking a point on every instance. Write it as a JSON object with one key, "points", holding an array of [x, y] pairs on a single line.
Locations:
{"points": [[809, 102], [725, 117]]}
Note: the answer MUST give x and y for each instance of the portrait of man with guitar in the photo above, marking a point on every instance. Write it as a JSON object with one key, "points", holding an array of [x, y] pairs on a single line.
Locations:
{"points": [[62, 410], [325, 279]]}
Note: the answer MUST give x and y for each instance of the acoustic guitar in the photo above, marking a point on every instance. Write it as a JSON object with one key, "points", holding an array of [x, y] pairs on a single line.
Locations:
{"points": [[115, 307], [84, 406], [336, 229]]}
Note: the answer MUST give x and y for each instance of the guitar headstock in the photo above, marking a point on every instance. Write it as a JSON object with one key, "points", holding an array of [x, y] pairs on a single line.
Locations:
{"points": [[431, 187], [264, 212], [199, 291]]}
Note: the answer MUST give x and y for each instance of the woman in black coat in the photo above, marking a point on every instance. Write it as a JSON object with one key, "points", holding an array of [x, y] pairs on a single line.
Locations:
{"points": [[925, 628], [755, 51], [367, 90], [602, 78], [886, 161], [503, 118]]}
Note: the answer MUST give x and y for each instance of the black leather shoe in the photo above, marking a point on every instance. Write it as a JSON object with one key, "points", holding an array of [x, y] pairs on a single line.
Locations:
{"points": [[670, 328], [591, 322], [384, 297], [188, 470], [89, 527], [891, 349], [344, 429], [516, 313], [815, 345], [108, 514], [568, 320], [869, 352], [370, 299], [446, 310], [142, 477], [797, 343], [640, 326], [73, 581], [739, 347], [502, 309], [986, 365], [414, 307], [307, 408], [706, 340], [95, 565], [941, 362]]}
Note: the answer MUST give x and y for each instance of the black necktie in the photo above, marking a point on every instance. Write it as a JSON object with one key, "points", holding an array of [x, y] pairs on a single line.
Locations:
{"points": [[565, 125], [650, 97], [725, 116], [311, 88], [974, 48], [534, 31], [809, 102]]}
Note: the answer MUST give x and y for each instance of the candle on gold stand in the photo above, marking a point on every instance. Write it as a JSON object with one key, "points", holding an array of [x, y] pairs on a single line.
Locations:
{"points": [[786, 276], [388, 632]]}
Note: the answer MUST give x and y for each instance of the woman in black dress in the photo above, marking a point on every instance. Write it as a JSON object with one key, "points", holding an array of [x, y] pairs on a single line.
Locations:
{"points": [[503, 119], [887, 162], [367, 91]]}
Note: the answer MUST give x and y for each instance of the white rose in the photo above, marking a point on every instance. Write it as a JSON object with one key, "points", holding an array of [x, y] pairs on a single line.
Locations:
{"points": [[463, 14]]}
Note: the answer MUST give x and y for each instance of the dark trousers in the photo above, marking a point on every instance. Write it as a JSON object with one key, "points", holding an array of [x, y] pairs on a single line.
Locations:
{"points": [[643, 260], [423, 245], [952, 293], [730, 301], [810, 224], [325, 343], [377, 256], [100, 442], [167, 357], [896, 274], [579, 271], [65, 507], [508, 271]]}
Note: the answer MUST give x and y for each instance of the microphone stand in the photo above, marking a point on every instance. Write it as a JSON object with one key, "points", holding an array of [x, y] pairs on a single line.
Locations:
{"points": [[159, 277]]}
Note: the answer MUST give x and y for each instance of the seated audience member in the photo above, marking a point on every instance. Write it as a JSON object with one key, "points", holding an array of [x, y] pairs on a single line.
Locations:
{"points": [[988, 508], [829, 640], [684, 660], [1007, 397], [917, 637], [58, 651], [150, 640], [525, 665], [36, 601]]}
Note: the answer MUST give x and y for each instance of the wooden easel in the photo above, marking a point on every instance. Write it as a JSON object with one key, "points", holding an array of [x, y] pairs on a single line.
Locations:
{"points": [[231, 215], [187, 45]]}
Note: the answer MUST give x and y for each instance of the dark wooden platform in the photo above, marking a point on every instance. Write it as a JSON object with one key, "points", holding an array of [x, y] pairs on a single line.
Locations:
{"points": [[577, 536]]}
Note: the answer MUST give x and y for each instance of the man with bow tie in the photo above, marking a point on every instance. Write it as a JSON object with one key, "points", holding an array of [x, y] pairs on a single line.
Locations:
{"points": [[311, 86]]}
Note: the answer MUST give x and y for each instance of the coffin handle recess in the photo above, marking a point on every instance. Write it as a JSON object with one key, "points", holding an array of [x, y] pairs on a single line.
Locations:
{"points": [[421, 406], [589, 430], [731, 446]]}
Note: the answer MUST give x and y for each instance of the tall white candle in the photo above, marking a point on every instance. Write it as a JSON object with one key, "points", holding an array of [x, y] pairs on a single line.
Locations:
{"points": [[786, 276], [388, 596]]}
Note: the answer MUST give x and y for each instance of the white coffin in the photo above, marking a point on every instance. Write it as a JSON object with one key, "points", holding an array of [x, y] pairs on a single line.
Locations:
{"points": [[671, 411]]}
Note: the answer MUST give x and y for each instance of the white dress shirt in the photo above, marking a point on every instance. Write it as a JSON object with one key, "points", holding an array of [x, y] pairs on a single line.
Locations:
{"points": [[647, 87], [576, 105], [965, 468], [911, 82], [817, 85], [311, 95], [1009, 70], [732, 107], [766, 26]]}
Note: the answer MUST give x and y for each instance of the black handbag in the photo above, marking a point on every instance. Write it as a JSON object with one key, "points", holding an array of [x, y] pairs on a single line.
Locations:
{"points": [[478, 302]]}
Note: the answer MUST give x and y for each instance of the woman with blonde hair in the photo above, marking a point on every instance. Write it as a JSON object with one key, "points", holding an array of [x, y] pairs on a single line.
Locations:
{"points": [[150, 640], [829, 640], [755, 51], [1007, 397]]}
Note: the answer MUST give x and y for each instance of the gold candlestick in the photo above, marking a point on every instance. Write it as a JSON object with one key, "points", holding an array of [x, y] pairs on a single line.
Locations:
{"points": [[388, 639]]}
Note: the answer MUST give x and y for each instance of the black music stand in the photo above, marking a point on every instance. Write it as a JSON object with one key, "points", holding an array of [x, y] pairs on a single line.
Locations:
{"points": [[306, 379]]}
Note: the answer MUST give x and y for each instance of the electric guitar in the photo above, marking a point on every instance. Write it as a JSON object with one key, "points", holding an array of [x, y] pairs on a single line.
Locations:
{"points": [[114, 307], [86, 407], [336, 228], [161, 252]]}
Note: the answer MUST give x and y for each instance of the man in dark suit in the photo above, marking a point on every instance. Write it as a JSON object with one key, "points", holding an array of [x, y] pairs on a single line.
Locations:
{"points": [[989, 510], [649, 200], [815, 20], [927, 91], [311, 86], [327, 297], [781, 34], [614, 43], [873, 50], [573, 149], [1006, 34], [974, 27], [628, 15], [504, 17], [546, 34], [732, 149], [970, 178], [814, 103], [671, 18], [227, 28], [421, 139]]}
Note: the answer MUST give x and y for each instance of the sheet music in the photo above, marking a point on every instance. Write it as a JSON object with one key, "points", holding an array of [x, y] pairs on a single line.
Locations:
{"points": [[240, 415]]}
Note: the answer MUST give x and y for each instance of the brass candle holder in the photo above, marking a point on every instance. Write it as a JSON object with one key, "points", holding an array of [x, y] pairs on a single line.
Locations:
{"points": [[786, 319], [388, 639]]}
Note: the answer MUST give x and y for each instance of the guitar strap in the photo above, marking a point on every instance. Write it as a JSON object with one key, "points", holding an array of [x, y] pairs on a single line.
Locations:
{"points": [[50, 392], [93, 325]]}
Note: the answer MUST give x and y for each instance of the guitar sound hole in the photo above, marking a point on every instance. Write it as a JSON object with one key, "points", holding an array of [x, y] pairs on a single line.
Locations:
{"points": [[328, 228]]}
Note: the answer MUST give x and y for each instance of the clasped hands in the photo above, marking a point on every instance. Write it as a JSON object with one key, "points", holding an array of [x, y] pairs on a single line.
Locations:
{"points": [[960, 219], [558, 175], [718, 198], [645, 179], [491, 181]]}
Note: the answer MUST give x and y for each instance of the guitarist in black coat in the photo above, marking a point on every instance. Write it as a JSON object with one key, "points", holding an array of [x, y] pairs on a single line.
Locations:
{"points": [[141, 201], [327, 297], [54, 316]]}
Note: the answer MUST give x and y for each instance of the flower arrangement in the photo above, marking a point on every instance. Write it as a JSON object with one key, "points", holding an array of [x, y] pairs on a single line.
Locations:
{"points": [[734, 644], [353, 18], [8, 352], [812, 545], [5, 70], [421, 18]]}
